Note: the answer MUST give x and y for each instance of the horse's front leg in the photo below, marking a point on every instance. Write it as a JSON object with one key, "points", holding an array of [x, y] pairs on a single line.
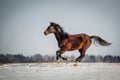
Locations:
{"points": [[59, 53]]}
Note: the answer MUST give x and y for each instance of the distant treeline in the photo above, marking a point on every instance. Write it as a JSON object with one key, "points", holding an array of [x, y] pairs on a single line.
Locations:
{"points": [[20, 58]]}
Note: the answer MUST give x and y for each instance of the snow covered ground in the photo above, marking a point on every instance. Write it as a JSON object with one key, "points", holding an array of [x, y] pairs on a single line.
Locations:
{"points": [[61, 71]]}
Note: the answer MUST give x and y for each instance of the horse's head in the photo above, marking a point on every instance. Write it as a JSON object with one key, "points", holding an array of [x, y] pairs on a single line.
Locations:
{"points": [[51, 29]]}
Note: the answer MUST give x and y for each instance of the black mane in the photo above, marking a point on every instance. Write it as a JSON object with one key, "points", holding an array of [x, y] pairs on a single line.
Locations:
{"points": [[62, 33], [59, 27]]}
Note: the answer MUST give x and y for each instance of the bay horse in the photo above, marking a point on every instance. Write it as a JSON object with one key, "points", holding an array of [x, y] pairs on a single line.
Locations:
{"points": [[69, 42]]}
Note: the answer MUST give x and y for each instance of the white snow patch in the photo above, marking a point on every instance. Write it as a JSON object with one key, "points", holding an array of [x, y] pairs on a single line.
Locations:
{"points": [[61, 71]]}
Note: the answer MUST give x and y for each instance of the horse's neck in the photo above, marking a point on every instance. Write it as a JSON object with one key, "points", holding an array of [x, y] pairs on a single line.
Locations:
{"points": [[58, 36]]}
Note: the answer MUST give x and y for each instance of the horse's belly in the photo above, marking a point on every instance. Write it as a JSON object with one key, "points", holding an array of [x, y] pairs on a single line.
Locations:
{"points": [[80, 46], [75, 46], [69, 46]]}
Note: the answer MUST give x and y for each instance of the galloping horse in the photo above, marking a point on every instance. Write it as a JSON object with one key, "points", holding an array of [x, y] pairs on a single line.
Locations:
{"points": [[68, 42]]}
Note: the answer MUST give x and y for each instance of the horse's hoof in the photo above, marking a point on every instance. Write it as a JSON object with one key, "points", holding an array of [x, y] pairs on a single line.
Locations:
{"points": [[67, 60], [75, 64], [58, 61]]}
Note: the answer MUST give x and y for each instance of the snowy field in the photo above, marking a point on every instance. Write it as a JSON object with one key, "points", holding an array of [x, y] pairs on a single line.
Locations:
{"points": [[61, 71]]}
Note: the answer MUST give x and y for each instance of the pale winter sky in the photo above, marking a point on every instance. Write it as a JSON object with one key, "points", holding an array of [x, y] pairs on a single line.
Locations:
{"points": [[22, 23]]}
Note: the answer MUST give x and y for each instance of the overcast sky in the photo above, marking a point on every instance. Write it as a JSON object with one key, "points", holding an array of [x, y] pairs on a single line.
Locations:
{"points": [[22, 23]]}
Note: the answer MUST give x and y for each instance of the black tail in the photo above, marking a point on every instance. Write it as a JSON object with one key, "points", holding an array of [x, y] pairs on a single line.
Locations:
{"points": [[100, 41]]}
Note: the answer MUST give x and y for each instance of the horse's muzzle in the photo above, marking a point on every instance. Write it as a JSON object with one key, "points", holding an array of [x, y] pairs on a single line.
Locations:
{"points": [[46, 32]]}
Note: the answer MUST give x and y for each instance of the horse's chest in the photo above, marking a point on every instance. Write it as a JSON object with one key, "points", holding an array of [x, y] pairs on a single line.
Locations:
{"points": [[62, 44]]}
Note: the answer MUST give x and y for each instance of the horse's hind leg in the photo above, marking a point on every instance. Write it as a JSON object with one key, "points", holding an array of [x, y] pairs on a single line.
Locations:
{"points": [[81, 56]]}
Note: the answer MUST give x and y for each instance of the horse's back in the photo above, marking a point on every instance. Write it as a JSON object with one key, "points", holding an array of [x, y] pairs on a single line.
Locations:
{"points": [[79, 35], [78, 41]]}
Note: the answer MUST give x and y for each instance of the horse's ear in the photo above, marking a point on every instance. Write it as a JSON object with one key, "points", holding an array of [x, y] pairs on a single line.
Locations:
{"points": [[51, 23]]}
